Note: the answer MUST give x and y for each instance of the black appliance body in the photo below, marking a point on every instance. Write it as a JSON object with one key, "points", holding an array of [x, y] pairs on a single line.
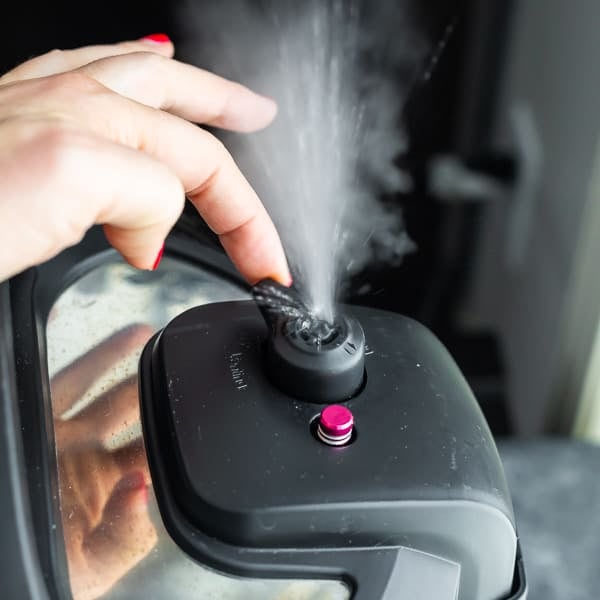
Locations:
{"points": [[245, 497]]}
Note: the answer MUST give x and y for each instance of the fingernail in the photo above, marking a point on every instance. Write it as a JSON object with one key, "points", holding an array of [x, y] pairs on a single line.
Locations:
{"points": [[286, 281], [134, 484], [142, 495], [158, 257], [134, 480], [157, 38]]}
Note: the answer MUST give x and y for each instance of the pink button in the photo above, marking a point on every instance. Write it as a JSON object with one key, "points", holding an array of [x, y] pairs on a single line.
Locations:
{"points": [[335, 425]]}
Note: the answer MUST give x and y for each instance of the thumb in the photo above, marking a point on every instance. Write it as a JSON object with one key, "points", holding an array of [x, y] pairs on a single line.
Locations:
{"points": [[122, 539]]}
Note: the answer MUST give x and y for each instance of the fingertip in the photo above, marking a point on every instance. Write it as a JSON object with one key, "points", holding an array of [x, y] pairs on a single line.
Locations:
{"points": [[265, 111], [273, 266], [282, 272], [248, 111], [141, 251], [160, 43], [158, 258], [132, 481], [270, 107], [282, 276], [140, 497], [157, 38], [132, 490], [138, 333]]}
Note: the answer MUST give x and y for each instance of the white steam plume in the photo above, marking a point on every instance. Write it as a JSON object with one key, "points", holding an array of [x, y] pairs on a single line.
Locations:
{"points": [[335, 69]]}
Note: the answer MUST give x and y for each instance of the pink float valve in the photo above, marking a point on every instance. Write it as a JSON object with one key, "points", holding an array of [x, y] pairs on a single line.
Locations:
{"points": [[336, 424]]}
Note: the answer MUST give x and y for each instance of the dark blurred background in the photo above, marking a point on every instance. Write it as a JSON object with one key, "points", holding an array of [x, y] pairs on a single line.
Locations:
{"points": [[448, 114], [503, 137]]}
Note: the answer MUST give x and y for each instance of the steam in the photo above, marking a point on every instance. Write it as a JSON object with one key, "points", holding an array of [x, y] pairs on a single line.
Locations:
{"points": [[339, 73]]}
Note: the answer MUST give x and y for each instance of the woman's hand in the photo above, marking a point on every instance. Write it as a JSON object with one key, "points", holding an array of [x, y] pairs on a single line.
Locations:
{"points": [[103, 135]]}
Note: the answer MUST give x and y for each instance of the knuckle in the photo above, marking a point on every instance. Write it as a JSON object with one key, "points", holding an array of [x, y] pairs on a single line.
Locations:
{"points": [[59, 145], [55, 53], [69, 84], [76, 81], [54, 58], [146, 68], [148, 61]]}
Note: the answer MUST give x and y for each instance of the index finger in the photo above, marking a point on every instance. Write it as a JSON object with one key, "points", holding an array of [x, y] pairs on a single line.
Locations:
{"points": [[211, 179], [223, 198], [234, 212]]}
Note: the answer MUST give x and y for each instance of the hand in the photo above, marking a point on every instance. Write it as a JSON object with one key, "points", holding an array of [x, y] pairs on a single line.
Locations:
{"points": [[103, 493], [103, 135]]}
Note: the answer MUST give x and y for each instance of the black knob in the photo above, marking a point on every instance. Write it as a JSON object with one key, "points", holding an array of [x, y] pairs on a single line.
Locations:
{"points": [[309, 358]]}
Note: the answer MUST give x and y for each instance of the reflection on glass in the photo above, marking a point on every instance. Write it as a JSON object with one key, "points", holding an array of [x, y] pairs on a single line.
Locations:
{"points": [[115, 542]]}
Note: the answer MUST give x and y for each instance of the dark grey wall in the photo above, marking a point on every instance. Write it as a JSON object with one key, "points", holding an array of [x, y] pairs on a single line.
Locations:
{"points": [[528, 255]]}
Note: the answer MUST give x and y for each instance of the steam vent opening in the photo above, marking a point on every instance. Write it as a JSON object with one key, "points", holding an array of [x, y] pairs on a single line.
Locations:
{"points": [[307, 357]]}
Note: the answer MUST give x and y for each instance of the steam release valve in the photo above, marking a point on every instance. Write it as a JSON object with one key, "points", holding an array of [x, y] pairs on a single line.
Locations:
{"points": [[308, 357]]}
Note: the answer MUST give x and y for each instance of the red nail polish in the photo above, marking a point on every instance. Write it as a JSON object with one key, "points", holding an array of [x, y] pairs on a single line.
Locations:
{"points": [[158, 257], [143, 495], [159, 38], [134, 484], [134, 480]]}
